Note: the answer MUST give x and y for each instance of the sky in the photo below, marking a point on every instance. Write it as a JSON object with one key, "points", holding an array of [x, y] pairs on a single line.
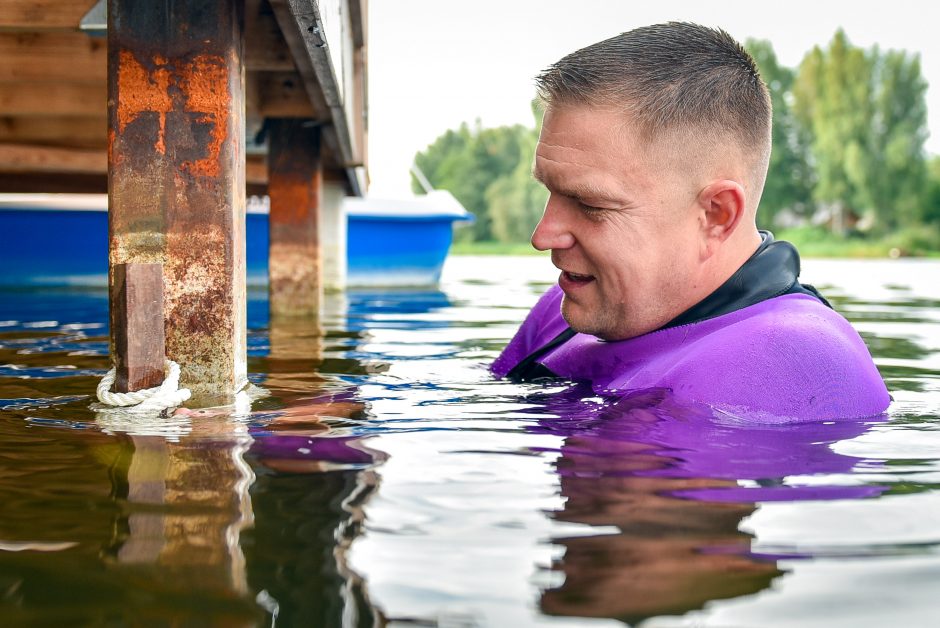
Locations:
{"points": [[434, 64]]}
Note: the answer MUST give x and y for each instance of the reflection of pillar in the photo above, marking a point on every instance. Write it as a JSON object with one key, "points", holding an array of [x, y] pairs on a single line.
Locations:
{"points": [[296, 352], [294, 186], [188, 504], [176, 175]]}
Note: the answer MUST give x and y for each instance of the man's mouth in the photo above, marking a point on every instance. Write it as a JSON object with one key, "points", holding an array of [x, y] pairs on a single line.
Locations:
{"points": [[576, 278]]}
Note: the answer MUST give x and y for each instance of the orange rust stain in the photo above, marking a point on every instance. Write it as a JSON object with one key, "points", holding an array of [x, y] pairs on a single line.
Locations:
{"points": [[205, 83], [141, 90], [293, 199]]}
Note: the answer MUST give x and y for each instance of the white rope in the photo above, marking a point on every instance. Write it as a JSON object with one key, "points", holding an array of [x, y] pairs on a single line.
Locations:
{"points": [[166, 395]]}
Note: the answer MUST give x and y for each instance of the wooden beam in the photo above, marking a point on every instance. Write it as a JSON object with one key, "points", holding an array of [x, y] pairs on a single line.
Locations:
{"points": [[52, 182], [137, 320], [177, 176], [68, 57], [43, 15], [256, 170], [26, 158], [265, 48], [282, 95], [54, 99], [294, 186], [302, 28], [358, 20], [73, 132]]}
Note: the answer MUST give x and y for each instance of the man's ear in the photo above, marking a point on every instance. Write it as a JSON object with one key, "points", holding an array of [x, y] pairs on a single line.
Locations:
{"points": [[723, 206]]}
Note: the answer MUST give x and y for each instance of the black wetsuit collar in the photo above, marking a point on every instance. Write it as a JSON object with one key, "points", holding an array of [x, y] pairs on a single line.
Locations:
{"points": [[771, 271]]}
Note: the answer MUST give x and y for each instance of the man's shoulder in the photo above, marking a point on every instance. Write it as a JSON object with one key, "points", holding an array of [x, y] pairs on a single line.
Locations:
{"points": [[788, 356], [797, 321]]}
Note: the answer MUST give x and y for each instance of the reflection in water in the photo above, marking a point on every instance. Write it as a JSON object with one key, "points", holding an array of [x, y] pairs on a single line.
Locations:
{"points": [[166, 503], [184, 506], [677, 481], [150, 528], [314, 474], [487, 484]]}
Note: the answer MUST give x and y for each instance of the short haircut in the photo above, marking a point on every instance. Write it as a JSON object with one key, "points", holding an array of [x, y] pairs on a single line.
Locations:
{"points": [[670, 77]]}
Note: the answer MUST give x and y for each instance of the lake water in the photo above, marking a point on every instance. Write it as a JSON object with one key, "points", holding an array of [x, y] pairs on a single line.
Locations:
{"points": [[388, 479]]}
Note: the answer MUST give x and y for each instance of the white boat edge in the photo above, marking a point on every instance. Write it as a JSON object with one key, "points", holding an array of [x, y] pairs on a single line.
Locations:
{"points": [[439, 203]]}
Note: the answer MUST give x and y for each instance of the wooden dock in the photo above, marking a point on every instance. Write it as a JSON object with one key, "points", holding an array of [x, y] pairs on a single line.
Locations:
{"points": [[178, 109]]}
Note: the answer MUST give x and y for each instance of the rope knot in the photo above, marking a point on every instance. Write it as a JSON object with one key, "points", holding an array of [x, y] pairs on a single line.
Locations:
{"points": [[166, 395]]}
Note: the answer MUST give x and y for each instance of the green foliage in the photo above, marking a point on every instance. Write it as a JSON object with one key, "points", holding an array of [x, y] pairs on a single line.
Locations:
{"points": [[931, 208], [899, 132], [790, 177], [489, 171], [866, 117], [516, 200]]}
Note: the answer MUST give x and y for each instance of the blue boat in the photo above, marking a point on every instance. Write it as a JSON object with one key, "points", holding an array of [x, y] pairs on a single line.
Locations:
{"points": [[62, 239]]}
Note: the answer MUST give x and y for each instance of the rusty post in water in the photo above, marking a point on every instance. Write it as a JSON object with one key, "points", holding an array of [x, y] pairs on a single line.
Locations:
{"points": [[137, 324], [294, 186], [176, 176]]}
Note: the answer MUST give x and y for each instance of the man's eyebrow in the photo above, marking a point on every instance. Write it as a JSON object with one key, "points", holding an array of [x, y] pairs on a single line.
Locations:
{"points": [[575, 190]]}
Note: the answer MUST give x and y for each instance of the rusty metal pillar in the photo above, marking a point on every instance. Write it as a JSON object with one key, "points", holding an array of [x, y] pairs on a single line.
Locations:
{"points": [[295, 188], [176, 176]]}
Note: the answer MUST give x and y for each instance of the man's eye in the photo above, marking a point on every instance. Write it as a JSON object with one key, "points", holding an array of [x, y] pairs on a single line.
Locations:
{"points": [[590, 209]]}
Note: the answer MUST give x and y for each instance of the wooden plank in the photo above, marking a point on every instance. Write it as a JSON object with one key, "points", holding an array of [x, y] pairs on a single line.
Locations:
{"points": [[40, 15], [282, 95], [52, 182], [64, 132], [26, 158], [69, 57], [256, 170], [56, 98], [265, 48], [302, 28], [177, 172], [294, 186], [358, 21], [137, 319]]}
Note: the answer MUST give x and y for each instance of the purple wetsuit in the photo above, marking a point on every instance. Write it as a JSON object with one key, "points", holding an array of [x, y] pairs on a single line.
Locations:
{"points": [[782, 358]]}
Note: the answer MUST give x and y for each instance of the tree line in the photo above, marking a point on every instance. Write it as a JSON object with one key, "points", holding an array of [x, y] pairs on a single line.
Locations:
{"points": [[849, 129]]}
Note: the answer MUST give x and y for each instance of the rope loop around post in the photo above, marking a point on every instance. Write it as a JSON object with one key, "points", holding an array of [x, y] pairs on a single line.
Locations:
{"points": [[166, 395]]}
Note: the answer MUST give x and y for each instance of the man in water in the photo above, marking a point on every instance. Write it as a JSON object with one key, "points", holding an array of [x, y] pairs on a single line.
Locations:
{"points": [[654, 149]]}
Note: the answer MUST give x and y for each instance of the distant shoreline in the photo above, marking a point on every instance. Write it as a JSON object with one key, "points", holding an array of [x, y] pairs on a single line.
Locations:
{"points": [[811, 243]]}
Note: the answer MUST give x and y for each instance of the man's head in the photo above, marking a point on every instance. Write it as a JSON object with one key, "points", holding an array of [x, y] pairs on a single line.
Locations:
{"points": [[654, 149]]}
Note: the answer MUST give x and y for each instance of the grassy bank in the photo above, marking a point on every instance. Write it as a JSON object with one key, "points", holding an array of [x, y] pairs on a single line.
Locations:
{"points": [[493, 248], [816, 242], [810, 241]]}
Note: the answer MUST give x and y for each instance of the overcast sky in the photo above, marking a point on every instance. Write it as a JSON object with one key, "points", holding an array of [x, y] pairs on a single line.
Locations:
{"points": [[436, 63]]}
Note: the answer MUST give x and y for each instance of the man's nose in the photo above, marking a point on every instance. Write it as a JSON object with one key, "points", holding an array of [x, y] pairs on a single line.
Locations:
{"points": [[554, 229]]}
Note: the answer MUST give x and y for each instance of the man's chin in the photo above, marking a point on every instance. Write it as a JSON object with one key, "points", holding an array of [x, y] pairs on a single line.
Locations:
{"points": [[585, 322], [579, 320]]}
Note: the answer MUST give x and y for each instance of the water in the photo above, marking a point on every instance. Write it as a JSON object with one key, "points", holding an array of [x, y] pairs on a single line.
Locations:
{"points": [[389, 479]]}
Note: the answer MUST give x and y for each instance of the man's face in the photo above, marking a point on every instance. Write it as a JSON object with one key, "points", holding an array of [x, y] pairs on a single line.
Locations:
{"points": [[622, 223]]}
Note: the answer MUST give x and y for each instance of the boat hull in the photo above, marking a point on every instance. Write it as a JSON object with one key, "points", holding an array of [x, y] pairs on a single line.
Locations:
{"points": [[52, 247]]}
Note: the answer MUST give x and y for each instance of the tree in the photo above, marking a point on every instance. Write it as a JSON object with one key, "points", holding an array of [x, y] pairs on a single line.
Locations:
{"points": [[865, 114], [790, 177], [931, 206], [468, 161], [833, 94], [899, 129], [516, 201]]}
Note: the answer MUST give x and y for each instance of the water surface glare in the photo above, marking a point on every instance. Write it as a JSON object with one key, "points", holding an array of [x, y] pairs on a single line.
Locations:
{"points": [[388, 479]]}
